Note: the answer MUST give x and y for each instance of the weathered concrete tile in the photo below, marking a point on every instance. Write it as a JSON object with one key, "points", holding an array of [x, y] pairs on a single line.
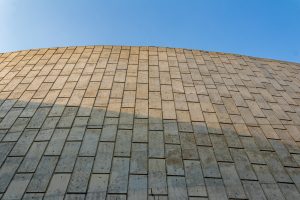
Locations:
{"points": [[194, 178], [201, 134], [43, 174], [81, 174], [276, 168], [137, 188], [139, 158], [97, 186], [208, 162], [17, 186], [232, 181], [220, 148], [67, 117], [272, 191], [10, 118], [38, 118], [283, 154], [5, 148], [157, 179], [171, 134], [156, 144], [68, 157], [177, 187], [104, 157], [33, 157], [57, 187], [57, 142], [188, 146], [215, 189], [174, 160], [253, 190], [243, 166], [7, 171], [119, 176], [123, 143], [90, 142], [109, 133], [76, 133], [24, 143]]}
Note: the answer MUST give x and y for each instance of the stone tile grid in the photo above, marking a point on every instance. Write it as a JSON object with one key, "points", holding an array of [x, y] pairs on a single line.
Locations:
{"points": [[111, 122]]}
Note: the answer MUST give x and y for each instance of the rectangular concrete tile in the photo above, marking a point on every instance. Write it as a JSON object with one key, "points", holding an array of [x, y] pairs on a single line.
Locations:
{"points": [[155, 120], [205, 103], [57, 187], [68, 157], [220, 148], [242, 164], [97, 117], [109, 133], [194, 178], [57, 142], [232, 181], [33, 157], [137, 188], [232, 138], [7, 171], [81, 175], [156, 144], [260, 139], [272, 191], [171, 134], [38, 118], [103, 158], [253, 190], [295, 175], [10, 118], [76, 133], [177, 188], [141, 108], [17, 186], [139, 158], [283, 153], [201, 134], [157, 179], [188, 146], [215, 189], [5, 148], [168, 110], [119, 176], [195, 112], [208, 162], [140, 130], [252, 150], [126, 118], [97, 187], [67, 117], [90, 142], [276, 168], [289, 191], [43, 174], [174, 160], [123, 143], [23, 144]]}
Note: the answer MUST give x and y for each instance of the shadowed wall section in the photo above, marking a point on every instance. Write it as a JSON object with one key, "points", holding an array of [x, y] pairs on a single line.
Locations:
{"points": [[119, 122]]}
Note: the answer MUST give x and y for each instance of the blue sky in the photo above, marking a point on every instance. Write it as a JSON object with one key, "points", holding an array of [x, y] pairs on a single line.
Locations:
{"points": [[262, 28]]}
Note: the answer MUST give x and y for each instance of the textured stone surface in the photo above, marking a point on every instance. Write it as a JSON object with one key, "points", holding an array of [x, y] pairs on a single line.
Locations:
{"points": [[120, 122]]}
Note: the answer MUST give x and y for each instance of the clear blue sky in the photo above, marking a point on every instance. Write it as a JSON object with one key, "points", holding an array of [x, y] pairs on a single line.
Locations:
{"points": [[263, 28]]}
